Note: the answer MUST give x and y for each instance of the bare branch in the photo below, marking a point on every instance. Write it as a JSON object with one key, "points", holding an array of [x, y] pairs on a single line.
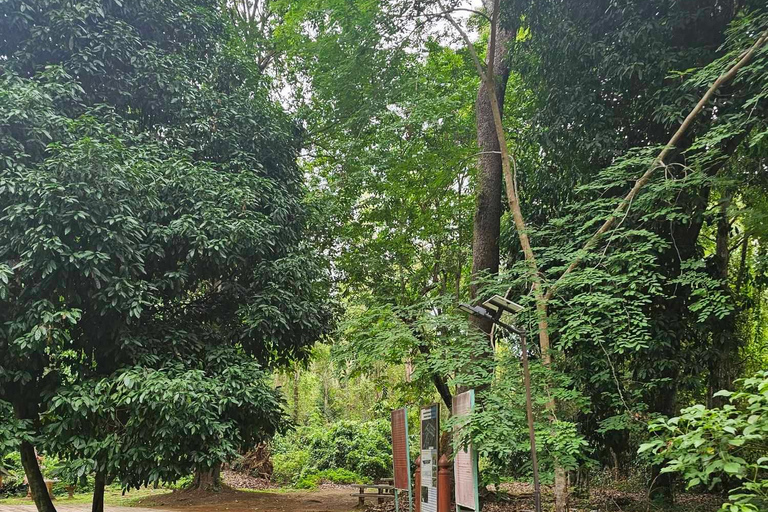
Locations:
{"points": [[492, 43]]}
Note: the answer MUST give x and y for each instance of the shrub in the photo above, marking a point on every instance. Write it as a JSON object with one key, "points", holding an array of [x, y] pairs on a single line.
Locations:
{"points": [[182, 483], [13, 482], [728, 443], [333, 476], [289, 466], [362, 448]]}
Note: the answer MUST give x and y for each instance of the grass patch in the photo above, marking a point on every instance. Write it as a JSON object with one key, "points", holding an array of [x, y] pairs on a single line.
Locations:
{"points": [[112, 496]]}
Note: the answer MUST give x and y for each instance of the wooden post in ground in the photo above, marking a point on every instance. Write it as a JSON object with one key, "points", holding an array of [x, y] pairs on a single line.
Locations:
{"points": [[417, 484], [444, 485]]}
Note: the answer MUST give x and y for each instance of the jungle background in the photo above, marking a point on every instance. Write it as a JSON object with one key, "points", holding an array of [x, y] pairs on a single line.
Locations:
{"points": [[235, 235]]}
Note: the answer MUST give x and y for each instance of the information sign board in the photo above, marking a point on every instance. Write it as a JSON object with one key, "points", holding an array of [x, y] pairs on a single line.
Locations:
{"points": [[400, 458], [430, 440], [465, 461]]}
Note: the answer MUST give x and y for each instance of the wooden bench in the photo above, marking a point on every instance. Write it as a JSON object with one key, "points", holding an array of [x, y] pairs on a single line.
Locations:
{"points": [[384, 492]]}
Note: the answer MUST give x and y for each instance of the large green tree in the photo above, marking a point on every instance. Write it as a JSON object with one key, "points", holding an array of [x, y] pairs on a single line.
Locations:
{"points": [[152, 205]]}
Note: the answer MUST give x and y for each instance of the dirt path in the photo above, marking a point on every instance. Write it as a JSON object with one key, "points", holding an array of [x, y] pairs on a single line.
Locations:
{"points": [[72, 508], [323, 500]]}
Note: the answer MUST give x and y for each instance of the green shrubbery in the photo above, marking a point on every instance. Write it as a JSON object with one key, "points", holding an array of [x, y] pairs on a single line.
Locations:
{"points": [[289, 465], [333, 476], [725, 445], [64, 473], [305, 456], [13, 481]]}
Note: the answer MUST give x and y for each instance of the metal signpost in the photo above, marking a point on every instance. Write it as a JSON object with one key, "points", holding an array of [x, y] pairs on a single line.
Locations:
{"points": [[430, 439], [400, 456], [493, 309], [465, 461]]}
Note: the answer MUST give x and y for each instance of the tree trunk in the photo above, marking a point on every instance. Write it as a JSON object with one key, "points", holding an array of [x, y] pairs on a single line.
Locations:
{"points": [[561, 477], [724, 356], [35, 478], [208, 479], [296, 381], [487, 220], [667, 361], [98, 492], [742, 263]]}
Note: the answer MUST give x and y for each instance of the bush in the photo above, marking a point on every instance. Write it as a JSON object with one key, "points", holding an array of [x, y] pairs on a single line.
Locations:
{"points": [[361, 448], [332, 476], [13, 482], [182, 483], [76, 473], [289, 466], [721, 445]]}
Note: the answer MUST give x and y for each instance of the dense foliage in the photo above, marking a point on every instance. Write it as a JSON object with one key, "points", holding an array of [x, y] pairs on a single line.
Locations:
{"points": [[312, 452], [188, 417], [152, 235], [724, 444], [171, 239]]}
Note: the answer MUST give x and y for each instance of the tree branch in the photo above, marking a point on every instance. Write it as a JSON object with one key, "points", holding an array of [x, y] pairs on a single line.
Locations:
{"points": [[659, 160]]}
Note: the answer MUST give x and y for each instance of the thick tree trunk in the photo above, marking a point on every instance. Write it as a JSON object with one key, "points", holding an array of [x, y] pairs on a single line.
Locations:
{"points": [[487, 220], [35, 478], [208, 479], [666, 361], [98, 492], [25, 408]]}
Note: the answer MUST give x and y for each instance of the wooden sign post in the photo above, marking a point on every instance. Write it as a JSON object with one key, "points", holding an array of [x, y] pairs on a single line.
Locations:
{"points": [[401, 456]]}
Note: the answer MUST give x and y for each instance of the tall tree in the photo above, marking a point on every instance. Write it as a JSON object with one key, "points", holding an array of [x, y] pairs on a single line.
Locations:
{"points": [[486, 231], [168, 199]]}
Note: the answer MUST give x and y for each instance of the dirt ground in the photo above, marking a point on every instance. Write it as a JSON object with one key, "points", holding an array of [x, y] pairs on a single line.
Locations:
{"points": [[70, 508], [338, 499], [321, 500], [518, 497]]}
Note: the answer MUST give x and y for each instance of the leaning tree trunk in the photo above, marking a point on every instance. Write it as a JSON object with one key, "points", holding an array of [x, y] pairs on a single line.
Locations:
{"points": [[35, 478], [98, 492], [25, 408], [208, 479]]}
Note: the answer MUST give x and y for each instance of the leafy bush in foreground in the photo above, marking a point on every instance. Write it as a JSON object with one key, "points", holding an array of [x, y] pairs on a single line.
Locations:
{"points": [[721, 445]]}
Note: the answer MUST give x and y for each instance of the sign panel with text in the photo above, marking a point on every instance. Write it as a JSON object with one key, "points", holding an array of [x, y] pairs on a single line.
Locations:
{"points": [[465, 461], [430, 439], [400, 449]]}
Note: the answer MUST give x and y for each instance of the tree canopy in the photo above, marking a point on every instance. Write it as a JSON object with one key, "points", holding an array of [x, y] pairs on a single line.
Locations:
{"points": [[202, 202]]}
